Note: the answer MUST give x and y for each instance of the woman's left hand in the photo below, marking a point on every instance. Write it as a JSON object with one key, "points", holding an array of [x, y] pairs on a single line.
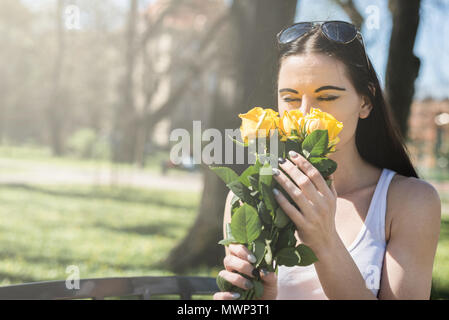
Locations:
{"points": [[315, 222]]}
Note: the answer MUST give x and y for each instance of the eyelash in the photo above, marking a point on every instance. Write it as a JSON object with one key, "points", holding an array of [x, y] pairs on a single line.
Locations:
{"points": [[321, 99]]}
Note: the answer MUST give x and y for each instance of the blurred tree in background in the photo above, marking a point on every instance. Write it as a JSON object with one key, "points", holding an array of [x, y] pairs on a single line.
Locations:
{"points": [[249, 68]]}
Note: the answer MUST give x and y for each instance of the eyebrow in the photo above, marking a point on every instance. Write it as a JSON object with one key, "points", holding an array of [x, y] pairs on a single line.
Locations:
{"points": [[329, 88], [317, 90], [288, 90]]}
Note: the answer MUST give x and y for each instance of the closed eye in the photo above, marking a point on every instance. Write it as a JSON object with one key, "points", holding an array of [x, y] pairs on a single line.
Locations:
{"points": [[291, 100], [329, 98]]}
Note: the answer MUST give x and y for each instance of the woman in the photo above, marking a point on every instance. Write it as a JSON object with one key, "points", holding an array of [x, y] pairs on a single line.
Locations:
{"points": [[375, 230]]}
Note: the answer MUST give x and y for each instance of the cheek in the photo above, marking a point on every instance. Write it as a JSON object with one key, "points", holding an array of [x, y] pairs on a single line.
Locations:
{"points": [[347, 113], [349, 128], [281, 107], [349, 121]]}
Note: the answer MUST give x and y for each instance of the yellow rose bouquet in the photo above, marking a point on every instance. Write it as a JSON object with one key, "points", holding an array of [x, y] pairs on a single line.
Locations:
{"points": [[257, 221]]}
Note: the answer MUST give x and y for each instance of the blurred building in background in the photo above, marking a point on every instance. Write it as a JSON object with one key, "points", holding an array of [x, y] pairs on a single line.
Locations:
{"points": [[429, 133]]}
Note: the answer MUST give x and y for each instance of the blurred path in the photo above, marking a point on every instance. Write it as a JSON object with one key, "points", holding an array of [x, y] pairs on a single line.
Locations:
{"points": [[13, 171]]}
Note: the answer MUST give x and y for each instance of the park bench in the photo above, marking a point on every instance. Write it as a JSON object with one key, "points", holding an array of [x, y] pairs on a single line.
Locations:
{"points": [[130, 287]]}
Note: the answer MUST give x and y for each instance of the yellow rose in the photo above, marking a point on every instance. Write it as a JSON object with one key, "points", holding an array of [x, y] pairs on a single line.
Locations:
{"points": [[257, 123], [290, 120], [319, 120]]}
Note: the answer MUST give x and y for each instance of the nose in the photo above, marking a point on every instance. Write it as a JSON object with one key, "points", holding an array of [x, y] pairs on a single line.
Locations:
{"points": [[306, 104]]}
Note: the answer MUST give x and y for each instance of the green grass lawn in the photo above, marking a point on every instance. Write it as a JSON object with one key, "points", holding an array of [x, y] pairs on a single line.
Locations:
{"points": [[440, 289], [110, 233], [105, 232]]}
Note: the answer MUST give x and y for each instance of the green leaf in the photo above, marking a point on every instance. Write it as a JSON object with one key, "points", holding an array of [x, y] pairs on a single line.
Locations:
{"points": [[283, 240], [259, 251], [235, 203], [267, 177], [226, 174], [294, 145], [254, 181], [288, 257], [223, 284], [315, 144], [241, 191], [268, 197], [292, 239], [324, 165], [227, 241], [258, 288], [229, 238], [264, 213], [245, 175], [228, 231], [245, 224], [254, 193], [281, 219], [307, 255], [268, 253]]}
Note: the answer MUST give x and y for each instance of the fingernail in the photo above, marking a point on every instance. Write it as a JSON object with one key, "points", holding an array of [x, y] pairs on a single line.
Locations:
{"points": [[275, 171], [251, 258], [276, 192], [281, 160], [235, 295], [292, 154], [255, 273], [249, 285], [264, 271]]}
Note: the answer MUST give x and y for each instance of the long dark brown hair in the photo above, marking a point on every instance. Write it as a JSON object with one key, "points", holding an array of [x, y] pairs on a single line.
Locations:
{"points": [[378, 138]]}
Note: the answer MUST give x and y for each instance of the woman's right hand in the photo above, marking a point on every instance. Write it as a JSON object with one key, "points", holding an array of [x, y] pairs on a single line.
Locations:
{"points": [[240, 260]]}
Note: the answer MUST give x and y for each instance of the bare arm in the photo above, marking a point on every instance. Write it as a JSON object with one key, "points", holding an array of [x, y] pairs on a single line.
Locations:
{"points": [[415, 229], [410, 251], [415, 208]]}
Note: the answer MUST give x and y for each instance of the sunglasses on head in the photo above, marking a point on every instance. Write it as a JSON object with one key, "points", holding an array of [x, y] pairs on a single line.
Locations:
{"points": [[338, 31]]}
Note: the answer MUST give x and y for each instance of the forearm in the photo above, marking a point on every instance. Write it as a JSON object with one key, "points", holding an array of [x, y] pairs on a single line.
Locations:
{"points": [[339, 275]]}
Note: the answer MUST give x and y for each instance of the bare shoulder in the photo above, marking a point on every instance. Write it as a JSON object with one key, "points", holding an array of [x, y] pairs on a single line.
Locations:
{"points": [[412, 202], [413, 192]]}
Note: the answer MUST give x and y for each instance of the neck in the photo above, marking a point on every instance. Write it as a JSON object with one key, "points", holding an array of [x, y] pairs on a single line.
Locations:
{"points": [[352, 172]]}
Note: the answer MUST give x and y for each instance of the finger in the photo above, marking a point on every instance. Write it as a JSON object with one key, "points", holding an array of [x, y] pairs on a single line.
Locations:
{"points": [[233, 263], [332, 187], [242, 252], [236, 279], [226, 295], [300, 179], [293, 190], [268, 277], [295, 215], [310, 171]]}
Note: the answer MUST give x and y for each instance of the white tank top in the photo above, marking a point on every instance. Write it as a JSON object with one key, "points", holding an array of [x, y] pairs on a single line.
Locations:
{"points": [[367, 250]]}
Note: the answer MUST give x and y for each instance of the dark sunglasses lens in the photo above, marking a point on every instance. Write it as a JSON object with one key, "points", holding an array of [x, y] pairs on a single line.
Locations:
{"points": [[294, 32], [339, 31]]}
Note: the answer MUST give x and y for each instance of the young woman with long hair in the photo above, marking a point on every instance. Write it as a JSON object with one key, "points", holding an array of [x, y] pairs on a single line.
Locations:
{"points": [[375, 229]]}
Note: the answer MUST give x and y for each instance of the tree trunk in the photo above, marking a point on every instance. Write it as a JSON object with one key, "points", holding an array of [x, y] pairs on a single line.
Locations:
{"points": [[253, 26], [403, 65]]}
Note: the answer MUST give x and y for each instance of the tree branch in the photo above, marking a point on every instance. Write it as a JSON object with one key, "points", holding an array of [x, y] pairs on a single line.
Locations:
{"points": [[195, 69], [350, 9]]}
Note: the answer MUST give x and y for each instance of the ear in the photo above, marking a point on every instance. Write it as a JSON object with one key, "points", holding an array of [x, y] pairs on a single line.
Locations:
{"points": [[365, 108]]}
